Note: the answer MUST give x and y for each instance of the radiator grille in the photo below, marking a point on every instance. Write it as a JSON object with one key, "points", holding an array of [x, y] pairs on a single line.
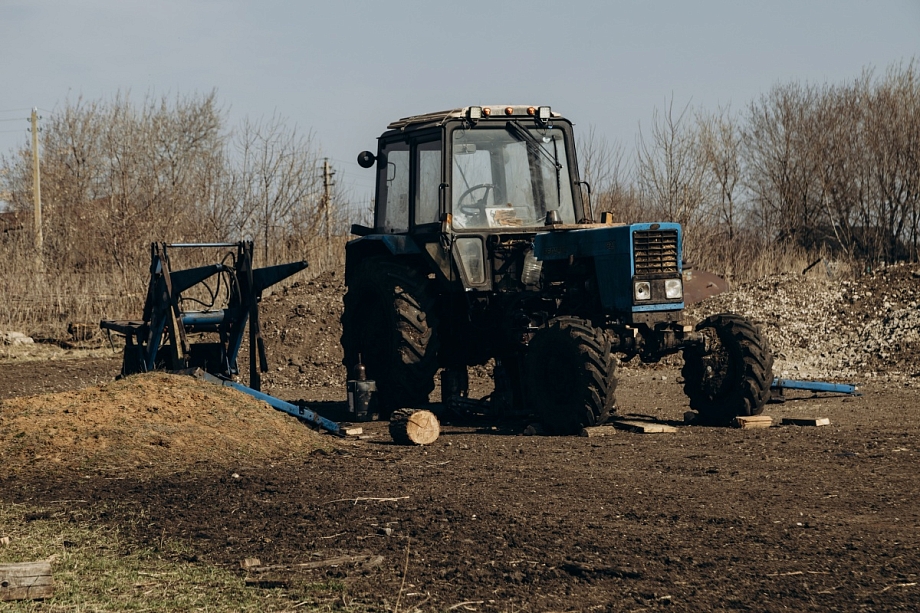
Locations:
{"points": [[655, 251]]}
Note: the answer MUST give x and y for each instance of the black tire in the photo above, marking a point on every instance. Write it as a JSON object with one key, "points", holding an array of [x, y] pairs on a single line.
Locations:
{"points": [[389, 322], [733, 378], [570, 376]]}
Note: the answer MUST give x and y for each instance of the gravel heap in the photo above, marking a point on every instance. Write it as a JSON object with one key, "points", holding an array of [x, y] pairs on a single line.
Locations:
{"points": [[834, 328]]}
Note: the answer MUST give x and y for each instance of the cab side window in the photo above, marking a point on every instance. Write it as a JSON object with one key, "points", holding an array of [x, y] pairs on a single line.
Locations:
{"points": [[427, 181], [393, 188]]}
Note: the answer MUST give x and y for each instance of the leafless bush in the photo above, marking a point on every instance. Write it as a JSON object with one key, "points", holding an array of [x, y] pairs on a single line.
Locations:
{"points": [[836, 167], [804, 171], [117, 176]]}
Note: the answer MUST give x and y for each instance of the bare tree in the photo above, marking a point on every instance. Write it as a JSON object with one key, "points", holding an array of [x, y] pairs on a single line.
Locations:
{"points": [[671, 176], [720, 145], [279, 184], [781, 172], [671, 168], [892, 139]]}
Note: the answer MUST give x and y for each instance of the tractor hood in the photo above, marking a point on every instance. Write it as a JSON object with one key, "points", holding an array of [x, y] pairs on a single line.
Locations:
{"points": [[633, 263]]}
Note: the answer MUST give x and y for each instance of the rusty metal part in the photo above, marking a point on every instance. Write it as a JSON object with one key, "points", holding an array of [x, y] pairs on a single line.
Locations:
{"points": [[700, 285]]}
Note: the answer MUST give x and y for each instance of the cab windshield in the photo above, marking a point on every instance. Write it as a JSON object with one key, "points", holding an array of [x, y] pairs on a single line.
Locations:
{"points": [[509, 175]]}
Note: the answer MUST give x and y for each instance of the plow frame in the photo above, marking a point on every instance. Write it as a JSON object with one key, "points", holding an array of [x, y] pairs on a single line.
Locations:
{"points": [[164, 327]]}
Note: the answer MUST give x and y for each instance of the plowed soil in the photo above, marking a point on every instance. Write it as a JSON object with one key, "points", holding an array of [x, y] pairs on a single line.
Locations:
{"points": [[485, 518]]}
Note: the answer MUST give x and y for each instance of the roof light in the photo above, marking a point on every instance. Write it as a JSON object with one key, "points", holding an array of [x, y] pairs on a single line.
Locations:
{"points": [[474, 113], [487, 111], [509, 110], [531, 111], [544, 113]]}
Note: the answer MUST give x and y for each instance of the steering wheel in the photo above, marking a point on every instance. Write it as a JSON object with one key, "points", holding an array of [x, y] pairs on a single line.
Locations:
{"points": [[478, 207]]}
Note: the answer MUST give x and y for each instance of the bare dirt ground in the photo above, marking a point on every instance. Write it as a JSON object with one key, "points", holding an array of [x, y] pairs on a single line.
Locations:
{"points": [[485, 519]]}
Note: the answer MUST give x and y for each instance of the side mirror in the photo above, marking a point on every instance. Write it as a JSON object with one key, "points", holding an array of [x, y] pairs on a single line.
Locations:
{"points": [[366, 159]]}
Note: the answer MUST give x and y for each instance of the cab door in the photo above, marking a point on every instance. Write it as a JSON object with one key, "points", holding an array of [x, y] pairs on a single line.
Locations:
{"points": [[428, 200]]}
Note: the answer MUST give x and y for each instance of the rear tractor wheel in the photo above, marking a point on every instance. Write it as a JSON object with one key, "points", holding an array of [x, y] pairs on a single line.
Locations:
{"points": [[389, 325], [570, 376], [731, 377]]}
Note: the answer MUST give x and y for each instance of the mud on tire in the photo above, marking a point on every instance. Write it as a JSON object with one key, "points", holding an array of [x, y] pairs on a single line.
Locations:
{"points": [[570, 376], [733, 378], [389, 321]]}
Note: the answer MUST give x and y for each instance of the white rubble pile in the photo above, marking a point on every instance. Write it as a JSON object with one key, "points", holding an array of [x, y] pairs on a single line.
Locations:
{"points": [[833, 329], [15, 338]]}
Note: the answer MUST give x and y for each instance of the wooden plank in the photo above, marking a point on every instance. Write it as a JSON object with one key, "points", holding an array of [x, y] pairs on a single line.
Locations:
{"points": [[267, 583], [753, 422], [595, 431], [337, 561], [26, 581], [806, 421], [643, 427], [355, 431]]}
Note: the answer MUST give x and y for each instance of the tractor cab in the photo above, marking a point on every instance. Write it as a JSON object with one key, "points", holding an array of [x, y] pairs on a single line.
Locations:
{"points": [[451, 180]]}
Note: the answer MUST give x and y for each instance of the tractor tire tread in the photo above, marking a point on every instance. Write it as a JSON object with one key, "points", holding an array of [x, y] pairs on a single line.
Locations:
{"points": [[588, 399], [744, 387], [405, 374]]}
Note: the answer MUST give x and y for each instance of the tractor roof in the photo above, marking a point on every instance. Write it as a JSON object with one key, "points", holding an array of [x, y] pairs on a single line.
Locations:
{"points": [[439, 117]]}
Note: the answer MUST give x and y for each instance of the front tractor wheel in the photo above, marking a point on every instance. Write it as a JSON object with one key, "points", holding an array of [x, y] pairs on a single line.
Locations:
{"points": [[731, 377], [570, 376], [389, 324]]}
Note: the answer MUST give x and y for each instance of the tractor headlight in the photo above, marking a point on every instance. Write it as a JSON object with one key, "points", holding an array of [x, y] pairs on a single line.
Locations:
{"points": [[470, 251], [642, 290], [673, 289]]}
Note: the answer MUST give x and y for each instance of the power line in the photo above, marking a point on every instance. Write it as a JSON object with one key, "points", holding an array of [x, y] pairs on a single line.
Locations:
{"points": [[15, 110]]}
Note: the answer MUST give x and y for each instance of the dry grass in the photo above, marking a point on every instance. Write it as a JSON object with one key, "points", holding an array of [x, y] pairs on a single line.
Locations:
{"points": [[43, 300], [95, 568]]}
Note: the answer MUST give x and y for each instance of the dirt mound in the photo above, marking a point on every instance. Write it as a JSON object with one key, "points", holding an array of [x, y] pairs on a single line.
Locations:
{"points": [[156, 418], [822, 326], [301, 329]]}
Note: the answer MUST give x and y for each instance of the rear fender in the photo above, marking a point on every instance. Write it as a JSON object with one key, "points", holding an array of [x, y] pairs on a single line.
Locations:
{"points": [[376, 245]]}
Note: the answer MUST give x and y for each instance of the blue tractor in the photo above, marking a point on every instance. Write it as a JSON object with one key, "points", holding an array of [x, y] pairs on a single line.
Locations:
{"points": [[482, 247]]}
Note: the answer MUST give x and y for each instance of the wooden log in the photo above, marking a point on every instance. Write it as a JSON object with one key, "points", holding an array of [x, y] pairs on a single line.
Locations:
{"points": [[643, 427], [414, 427], [806, 421], [753, 422], [26, 581]]}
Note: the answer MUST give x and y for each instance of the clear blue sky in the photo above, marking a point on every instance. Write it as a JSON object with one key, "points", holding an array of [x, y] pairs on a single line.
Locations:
{"points": [[344, 69]]}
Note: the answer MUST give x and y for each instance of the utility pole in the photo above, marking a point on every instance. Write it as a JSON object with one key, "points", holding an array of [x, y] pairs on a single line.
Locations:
{"points": [[36, 187], [327, 199]]}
